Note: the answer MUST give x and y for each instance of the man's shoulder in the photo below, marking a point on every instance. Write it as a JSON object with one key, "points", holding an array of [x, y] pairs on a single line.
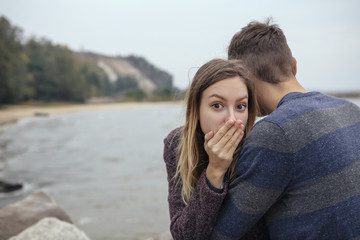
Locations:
{"points": [[268, 134], [312, 104], [301, 118], [296, 104]]}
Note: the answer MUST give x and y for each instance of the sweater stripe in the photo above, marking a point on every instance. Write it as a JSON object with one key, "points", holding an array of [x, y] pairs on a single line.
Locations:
{"points": [[311, 225], [322, 193], [319, 123], [245, 202], [272, 171], [313, 101], [233, 220], [312, 165]]}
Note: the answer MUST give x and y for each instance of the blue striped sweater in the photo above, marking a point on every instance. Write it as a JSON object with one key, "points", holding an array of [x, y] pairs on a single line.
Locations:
{"points": [[300, 169]]}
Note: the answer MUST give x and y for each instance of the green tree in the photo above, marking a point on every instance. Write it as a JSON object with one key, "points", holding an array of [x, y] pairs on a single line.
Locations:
{"points": [[56, 77], [125, 82], [13, 74], [167, 94], [135, 94], [96, 80]]}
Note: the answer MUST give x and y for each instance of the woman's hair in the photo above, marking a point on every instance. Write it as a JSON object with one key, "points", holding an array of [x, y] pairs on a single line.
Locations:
{"points": [[191, 151]]}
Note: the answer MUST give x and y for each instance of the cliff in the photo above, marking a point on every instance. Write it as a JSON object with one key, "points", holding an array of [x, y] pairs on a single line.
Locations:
{"points": [[148, 77]]}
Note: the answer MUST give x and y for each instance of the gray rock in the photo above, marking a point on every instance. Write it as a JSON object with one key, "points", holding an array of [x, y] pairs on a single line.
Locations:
{"points": [[6, 187], [16, 217], [51, 229]]}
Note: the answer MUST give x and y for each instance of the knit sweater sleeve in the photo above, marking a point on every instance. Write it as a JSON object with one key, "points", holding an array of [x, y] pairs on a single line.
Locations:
{"points": [[196, 219]]}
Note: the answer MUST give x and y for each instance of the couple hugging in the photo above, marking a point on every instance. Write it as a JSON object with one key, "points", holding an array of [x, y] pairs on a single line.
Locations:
{"points": [[295, 174]]}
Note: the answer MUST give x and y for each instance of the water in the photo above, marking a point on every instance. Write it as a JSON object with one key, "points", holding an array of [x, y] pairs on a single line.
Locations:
{"points": [[104, 168], [355, 100]]}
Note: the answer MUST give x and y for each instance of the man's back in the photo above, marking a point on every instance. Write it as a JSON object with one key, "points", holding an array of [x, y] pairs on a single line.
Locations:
{"points": [[299, 167]]}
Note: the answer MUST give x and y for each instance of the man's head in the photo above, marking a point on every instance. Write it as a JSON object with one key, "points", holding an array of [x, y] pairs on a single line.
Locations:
{"points": [[263, 48]]}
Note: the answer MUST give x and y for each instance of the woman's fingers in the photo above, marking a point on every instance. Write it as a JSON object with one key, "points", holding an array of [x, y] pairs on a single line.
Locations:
{"points": [[221, 145], [222, 131], [234, 141], [208, 136], [229, 134]]}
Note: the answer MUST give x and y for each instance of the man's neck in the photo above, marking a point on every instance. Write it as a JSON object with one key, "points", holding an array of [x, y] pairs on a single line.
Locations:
{"points": [[274, 93]]}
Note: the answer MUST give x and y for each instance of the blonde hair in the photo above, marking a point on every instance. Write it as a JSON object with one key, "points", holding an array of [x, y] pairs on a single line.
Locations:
{"points": [[191, 153]]}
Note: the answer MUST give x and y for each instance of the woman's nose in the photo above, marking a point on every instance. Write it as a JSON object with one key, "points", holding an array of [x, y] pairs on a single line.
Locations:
{"points": [[231, 116]]}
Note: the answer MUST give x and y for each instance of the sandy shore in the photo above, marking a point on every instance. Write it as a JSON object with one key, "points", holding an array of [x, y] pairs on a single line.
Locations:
{"points": [[11, 114]]}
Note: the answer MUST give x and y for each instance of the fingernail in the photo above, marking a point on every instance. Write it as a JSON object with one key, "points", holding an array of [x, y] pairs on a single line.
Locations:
{"points": [[230, 122]]}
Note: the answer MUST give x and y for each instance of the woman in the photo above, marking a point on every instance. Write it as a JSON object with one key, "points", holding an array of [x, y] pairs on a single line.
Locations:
{"points": [[199, 156]]}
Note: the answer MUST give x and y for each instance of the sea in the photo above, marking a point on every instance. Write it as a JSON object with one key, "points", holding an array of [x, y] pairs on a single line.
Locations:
{"points": [[104, 168]]}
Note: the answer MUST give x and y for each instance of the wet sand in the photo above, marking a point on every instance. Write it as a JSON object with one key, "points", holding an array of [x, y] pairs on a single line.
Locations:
{"points": [[12, 113]]}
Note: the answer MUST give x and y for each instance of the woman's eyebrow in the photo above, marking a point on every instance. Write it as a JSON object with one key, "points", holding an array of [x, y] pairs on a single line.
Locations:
{"points": [[217, 96], [223, 98]]}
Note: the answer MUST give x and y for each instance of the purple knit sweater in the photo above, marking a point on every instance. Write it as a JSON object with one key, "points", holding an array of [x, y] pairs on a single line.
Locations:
{"points": [[196, 219]]}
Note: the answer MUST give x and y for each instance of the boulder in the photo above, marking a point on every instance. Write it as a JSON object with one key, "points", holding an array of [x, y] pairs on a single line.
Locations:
{"points": [[6, 187], [16, 217], [51, 229]]}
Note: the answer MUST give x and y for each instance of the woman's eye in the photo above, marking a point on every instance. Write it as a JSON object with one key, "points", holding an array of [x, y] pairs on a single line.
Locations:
{"points": [[217, 105], [242, 106]]}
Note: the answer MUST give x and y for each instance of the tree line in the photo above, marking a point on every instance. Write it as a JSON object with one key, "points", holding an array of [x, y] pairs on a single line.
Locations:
{"points": [[38, 70]]}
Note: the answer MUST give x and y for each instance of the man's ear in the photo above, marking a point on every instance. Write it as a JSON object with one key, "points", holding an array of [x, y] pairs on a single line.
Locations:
{"points": [[295, 66]]}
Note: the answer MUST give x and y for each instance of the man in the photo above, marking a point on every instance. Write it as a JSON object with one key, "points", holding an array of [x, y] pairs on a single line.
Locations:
{"points": [[300, 166]]}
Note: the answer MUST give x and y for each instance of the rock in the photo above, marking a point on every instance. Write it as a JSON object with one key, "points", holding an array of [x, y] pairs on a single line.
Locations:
{"points": [[51, 229], [16, 217], [6, 187], [41, 114]]}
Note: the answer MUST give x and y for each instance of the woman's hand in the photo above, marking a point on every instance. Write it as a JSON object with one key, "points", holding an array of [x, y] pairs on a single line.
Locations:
{"points": [[220, 148]]}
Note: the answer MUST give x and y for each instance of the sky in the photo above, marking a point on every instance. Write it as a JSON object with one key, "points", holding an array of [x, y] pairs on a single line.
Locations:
{"points": [[180, 36]]}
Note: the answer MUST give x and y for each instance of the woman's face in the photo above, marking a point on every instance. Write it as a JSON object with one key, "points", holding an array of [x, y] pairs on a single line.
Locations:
{"points": [[222, 101]]}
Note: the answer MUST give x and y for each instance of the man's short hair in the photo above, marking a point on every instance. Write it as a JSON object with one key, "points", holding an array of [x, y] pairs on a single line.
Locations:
{"points": [[264, 50]]}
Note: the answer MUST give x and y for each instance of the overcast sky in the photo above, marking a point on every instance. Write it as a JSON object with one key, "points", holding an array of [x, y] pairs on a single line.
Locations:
{"points": [[180, 36]]}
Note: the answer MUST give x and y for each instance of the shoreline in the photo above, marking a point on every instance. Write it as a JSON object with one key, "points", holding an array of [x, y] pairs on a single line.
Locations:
{"points": [[12, 113]]}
